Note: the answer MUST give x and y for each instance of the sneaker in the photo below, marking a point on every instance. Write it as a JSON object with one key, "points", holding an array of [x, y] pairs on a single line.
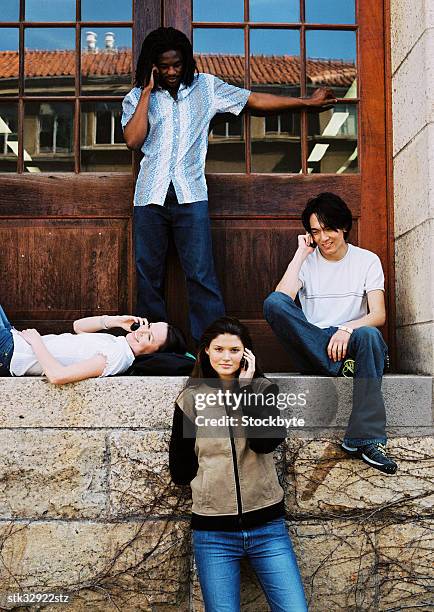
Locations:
{"points": [[348, 368], [351, 450], [375, 456], [372, 454]]}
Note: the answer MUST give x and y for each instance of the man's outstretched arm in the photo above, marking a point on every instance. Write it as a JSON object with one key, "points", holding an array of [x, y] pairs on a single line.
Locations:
{"points": [[321, 99]]}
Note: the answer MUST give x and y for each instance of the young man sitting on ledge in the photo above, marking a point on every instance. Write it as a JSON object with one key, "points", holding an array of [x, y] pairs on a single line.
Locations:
{"points": [[341, 290], [65, 358]]}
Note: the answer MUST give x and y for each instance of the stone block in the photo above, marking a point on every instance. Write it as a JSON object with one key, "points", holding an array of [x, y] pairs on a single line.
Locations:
{"points": [[329, 483], [414, 276], [336, 561], [122, 401], [139, 479], [407, 24], [413, 174], [48, 473], [415, 348], [130, 566], [413, 90], [405, 565]]}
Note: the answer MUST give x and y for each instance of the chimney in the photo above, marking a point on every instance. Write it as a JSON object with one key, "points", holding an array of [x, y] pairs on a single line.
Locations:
{"points": [[91, 42], [110, 41]]}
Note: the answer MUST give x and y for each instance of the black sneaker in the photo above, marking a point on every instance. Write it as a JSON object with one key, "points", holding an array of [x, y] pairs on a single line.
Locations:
{"points": [[374, 455], [348, 367]]}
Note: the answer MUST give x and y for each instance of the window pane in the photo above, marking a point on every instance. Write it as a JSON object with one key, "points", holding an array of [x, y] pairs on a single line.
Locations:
{"points": [[106, 61], [48, 137], [331, 61], [224, 10], [8, 61], [330, 11], [8, 137], [102, 144], [106, 10], [49, 61], [278, 11], [221, 52], [10, 10], [275, 68], [50, 10], [332, 140]]}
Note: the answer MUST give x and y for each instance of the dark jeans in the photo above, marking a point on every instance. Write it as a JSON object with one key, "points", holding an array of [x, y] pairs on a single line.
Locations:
{"points": [[6, 344], [307, 347], [190, 227]]}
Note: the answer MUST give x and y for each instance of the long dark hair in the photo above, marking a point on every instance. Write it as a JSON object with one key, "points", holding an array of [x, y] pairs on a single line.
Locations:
{"points": [[224, 325], [159, 41]]}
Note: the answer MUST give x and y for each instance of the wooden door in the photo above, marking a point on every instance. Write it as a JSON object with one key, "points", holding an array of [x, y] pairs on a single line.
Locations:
{"points": [[262, 170], [67, 179]]}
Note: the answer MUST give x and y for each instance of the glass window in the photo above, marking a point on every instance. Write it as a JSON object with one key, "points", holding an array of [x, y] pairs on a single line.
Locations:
{"points": [[331, 61], [330, 11], [106, 10], [8, 137], [48, 136], [332, 140], [277, 11], [50, 10], [275, 69], [224, 10], [106, 61], [9, 65], [10, 10], [49, 61], [102, 144], [221, 52]]}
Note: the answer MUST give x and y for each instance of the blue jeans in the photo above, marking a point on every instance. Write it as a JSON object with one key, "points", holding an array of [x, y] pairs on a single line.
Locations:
{"points": [[190, 227], [269, 550], [6, 343], [307, 347]]}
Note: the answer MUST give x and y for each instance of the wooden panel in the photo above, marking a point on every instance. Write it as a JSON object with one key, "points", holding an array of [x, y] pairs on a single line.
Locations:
{"points": [[64, 269], [66, 195], [256, 194]]}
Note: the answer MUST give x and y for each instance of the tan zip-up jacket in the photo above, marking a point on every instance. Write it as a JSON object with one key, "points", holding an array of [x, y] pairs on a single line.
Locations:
{"points": [[214, 489]]}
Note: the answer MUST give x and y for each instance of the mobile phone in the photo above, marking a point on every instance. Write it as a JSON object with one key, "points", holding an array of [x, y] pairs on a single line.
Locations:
{"points": [[313, 243], [243, 364], [135, 326]]}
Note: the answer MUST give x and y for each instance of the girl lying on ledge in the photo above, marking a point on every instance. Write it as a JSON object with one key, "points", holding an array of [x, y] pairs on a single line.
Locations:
{"points": [[65, 358]]}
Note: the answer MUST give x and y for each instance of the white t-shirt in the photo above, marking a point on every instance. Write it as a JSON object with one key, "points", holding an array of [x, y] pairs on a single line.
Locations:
{"points": [[72, 348], [335, 292]]}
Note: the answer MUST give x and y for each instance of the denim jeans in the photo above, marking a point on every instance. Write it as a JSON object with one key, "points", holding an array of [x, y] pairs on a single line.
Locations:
{"points": [[6, 344], [307, 347], [269, 550], [190, 227]]}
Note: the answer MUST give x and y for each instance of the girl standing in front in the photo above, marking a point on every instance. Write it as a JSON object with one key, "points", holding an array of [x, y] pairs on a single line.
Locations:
{"points": [[238, 508]]}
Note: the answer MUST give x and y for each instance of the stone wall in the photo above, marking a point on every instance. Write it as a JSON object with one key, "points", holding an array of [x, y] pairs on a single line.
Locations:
{"points": [[412, 43], [87, 507]]}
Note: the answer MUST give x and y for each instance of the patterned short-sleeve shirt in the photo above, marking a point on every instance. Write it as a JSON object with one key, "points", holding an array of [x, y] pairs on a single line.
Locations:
{"points": [[176, 145]]}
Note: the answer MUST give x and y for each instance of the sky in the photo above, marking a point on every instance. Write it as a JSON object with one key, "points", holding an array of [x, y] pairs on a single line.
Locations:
{"points": [[325, 44]]}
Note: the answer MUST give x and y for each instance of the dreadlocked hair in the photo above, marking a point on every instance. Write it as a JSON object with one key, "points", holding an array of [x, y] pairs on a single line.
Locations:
{"points": [[159, 41]]}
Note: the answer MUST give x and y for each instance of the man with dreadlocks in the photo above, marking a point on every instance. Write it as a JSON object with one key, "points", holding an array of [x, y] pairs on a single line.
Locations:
{"points": [[167, 116]]}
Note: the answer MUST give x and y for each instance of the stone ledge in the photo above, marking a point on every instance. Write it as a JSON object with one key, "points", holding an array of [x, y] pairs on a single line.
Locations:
{"points": [[147, 403]]}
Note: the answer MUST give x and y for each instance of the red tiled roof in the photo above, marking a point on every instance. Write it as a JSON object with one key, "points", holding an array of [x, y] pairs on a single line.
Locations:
{"points": [[276, 69]]}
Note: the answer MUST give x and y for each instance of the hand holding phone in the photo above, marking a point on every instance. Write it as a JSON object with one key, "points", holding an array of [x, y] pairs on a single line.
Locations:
{"points": [[247, 365]]}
